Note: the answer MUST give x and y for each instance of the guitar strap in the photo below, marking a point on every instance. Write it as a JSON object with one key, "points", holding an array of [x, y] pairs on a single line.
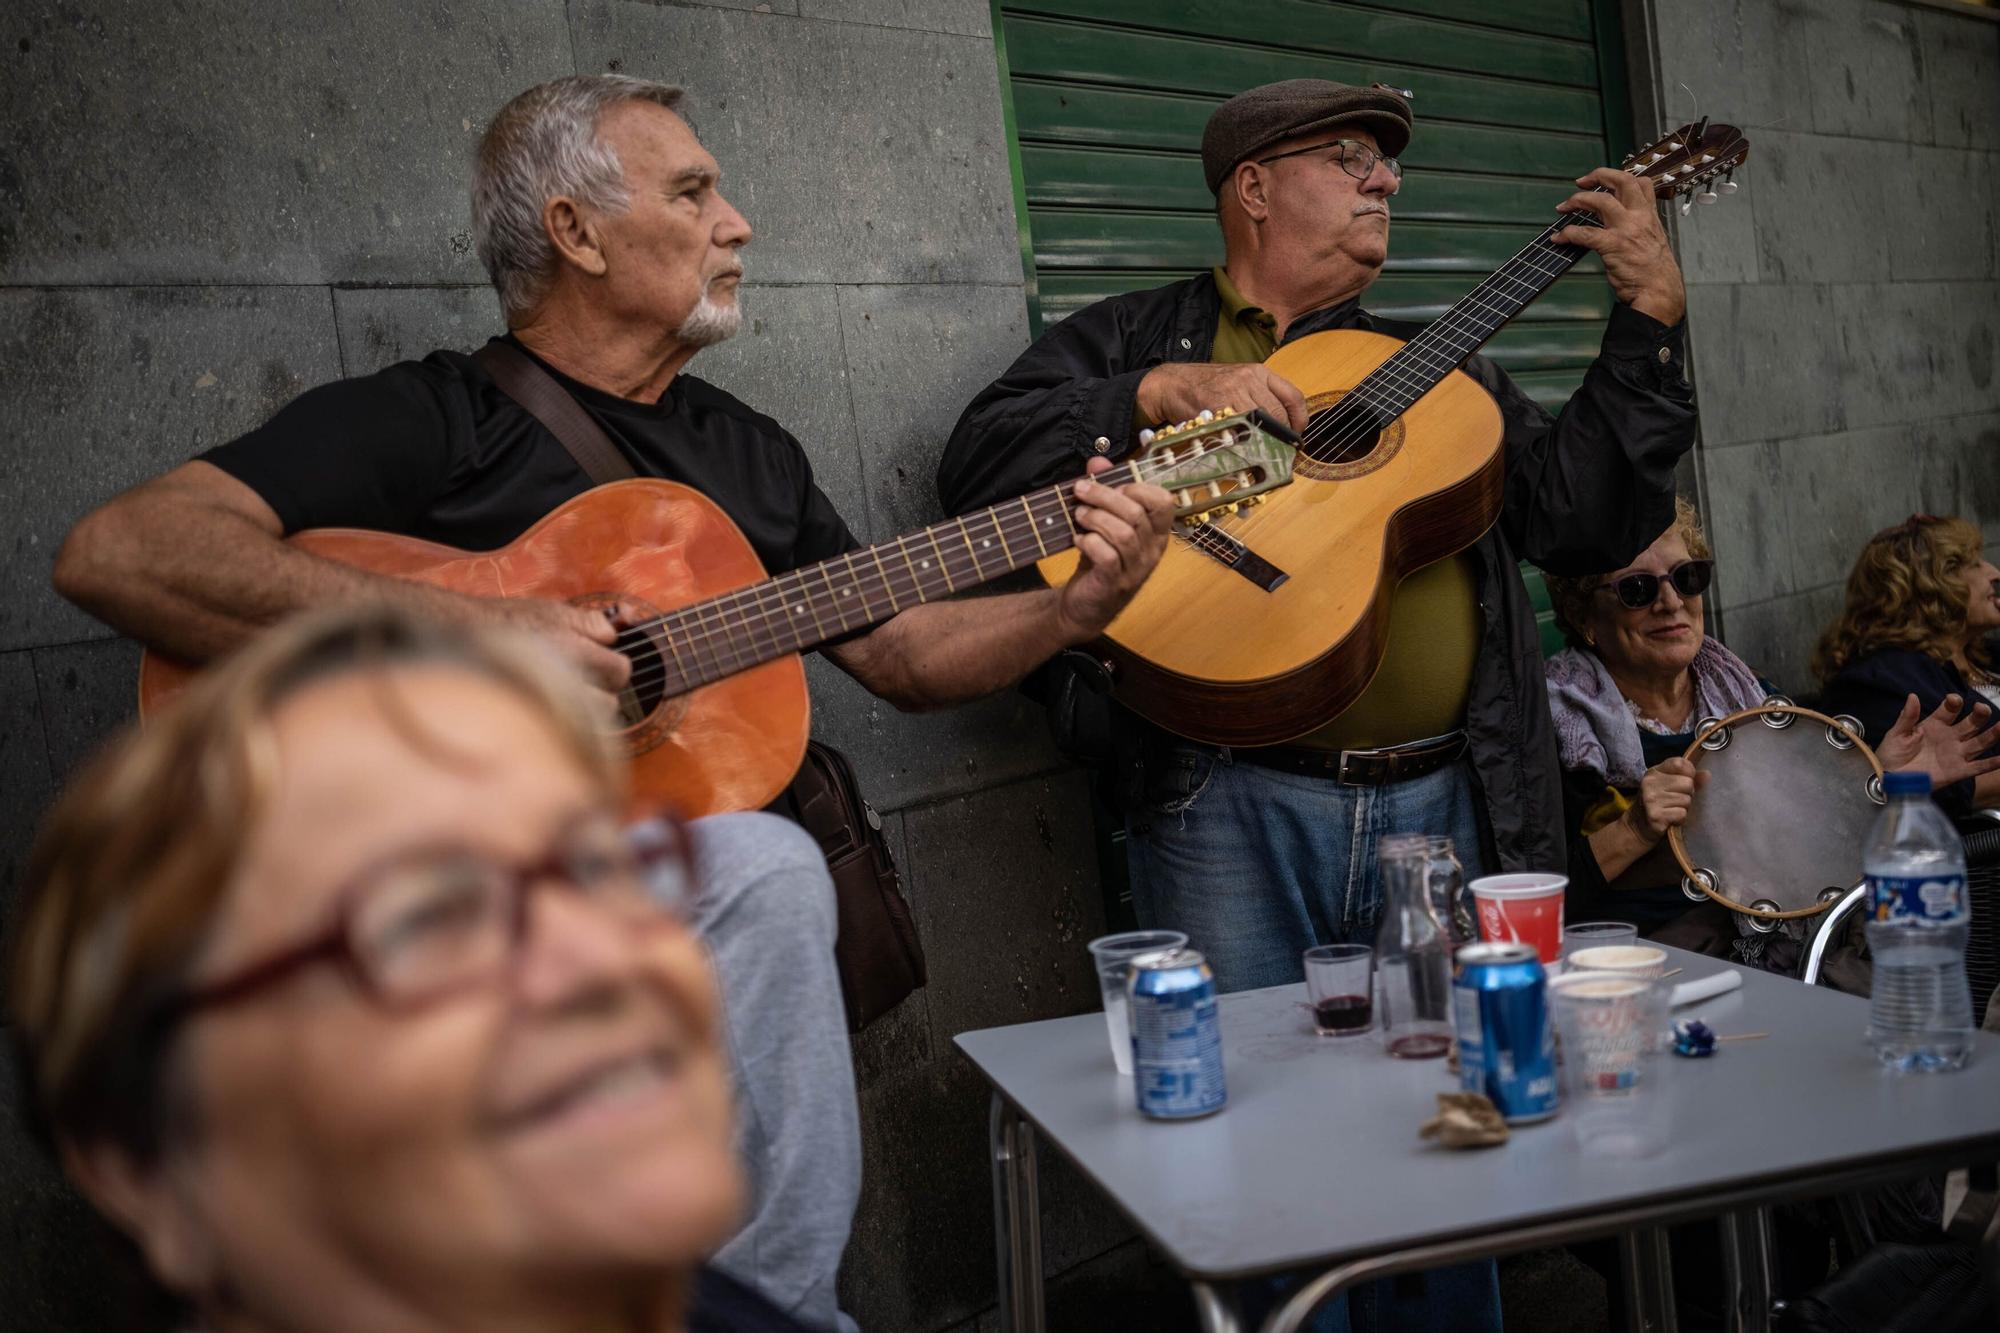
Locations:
{"points": [[877, 950], [521, 379]]}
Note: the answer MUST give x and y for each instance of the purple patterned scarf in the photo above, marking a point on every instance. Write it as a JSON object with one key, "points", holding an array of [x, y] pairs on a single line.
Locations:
{"points": [[1595, 729]]}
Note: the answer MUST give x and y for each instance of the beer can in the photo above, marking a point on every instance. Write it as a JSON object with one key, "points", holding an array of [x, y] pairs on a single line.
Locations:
{"points": [[1506, 1042], [1176, 1036]]}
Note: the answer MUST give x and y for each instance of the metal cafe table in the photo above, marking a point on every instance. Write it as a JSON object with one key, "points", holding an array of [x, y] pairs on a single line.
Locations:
{"points": [[1315, 1166]]}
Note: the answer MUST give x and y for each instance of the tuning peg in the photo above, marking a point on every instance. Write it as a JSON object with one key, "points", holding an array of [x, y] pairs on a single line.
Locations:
{"points": [[1145, 437], [1206, 416], [1687, 205], [1705, 197], [1728, 185]]}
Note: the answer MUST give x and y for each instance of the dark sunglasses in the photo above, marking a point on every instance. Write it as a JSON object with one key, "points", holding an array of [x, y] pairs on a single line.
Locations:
{"points": [[1637, 591]]}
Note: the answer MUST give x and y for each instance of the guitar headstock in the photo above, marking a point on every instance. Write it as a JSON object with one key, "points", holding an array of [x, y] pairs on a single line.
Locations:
{"points": [[1693, 155], [1217, 462]]}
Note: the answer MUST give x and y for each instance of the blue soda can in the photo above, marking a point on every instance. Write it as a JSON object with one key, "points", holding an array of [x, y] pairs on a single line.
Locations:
{"points": [[1176, 1037], [1506, 1043]]}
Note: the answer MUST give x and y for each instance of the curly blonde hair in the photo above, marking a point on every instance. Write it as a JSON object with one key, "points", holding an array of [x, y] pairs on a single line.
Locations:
{"points": [[1571, 596], [1905, 591]]}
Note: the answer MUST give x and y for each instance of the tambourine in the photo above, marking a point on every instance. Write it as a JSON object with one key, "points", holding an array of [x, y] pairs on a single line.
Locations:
{"points": [[1776, 834]]}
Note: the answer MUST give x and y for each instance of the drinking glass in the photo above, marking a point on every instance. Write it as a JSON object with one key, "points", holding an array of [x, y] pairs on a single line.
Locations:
{"points": [[1113, 955], [1340, 981]]}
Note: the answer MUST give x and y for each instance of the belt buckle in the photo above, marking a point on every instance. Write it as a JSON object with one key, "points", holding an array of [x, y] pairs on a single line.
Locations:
{"points": [[1346, 755]]}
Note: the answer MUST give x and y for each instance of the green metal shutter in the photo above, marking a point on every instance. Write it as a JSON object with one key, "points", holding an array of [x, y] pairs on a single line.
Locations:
{"points": [[1514, 99]]}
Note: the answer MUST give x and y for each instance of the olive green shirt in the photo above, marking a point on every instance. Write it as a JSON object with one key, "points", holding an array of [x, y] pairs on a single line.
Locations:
{"points": [[1426, 674]]}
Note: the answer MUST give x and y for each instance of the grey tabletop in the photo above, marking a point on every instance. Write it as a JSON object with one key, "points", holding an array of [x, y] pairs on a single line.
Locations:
{"points": [[1316, 1158]]}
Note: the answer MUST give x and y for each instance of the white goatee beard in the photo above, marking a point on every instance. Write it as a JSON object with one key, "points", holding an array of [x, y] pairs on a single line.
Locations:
{"points": [[710, 323]]}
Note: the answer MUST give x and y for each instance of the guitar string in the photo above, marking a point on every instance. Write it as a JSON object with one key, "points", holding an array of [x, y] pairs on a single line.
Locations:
{"points": [[760, 628], [1393, 375], [1562, 258], [713, 628], [1416, 368], [1400, 372], [774, 642], [1450, 325]]}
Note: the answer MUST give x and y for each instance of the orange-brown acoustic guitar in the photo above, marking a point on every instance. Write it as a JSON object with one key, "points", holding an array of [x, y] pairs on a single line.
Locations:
{"points": [[716, 716], [1400, 466]]}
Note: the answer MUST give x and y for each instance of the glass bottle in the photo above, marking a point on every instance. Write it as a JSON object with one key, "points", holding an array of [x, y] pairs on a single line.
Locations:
{"points": [[1412, 954]]}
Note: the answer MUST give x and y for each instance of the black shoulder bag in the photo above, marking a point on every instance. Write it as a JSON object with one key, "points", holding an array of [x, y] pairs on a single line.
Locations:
{"points": [[877, 952]]}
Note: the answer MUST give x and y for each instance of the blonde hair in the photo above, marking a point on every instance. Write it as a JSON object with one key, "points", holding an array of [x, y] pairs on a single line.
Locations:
{"points": [[134, 861], [1905, 592], [1571, 596]]}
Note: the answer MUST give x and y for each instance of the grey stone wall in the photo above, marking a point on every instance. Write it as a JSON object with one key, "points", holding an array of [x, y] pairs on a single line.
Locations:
{"points": [[1845, 306], [206, 207]]}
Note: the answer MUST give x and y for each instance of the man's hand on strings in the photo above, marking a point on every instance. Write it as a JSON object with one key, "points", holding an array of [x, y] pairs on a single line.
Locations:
{"points": [[583, 635], [1182, 390], [1638, 262], [1121, 534]]}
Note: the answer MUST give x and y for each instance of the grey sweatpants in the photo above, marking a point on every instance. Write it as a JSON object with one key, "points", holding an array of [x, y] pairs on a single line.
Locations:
{"points": [[766, 910]]}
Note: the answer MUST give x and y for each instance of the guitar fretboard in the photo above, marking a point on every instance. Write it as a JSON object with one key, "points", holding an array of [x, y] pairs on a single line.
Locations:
{"points": [[796, 611], [1447, 341]]}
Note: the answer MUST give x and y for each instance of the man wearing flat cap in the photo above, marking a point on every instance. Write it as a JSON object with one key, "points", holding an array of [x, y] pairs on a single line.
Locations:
{"points": [[1260, 853]]}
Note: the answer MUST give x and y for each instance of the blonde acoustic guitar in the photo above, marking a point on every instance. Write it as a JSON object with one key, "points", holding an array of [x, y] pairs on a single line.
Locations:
{"points": [[1266, 623], [716, 717]]}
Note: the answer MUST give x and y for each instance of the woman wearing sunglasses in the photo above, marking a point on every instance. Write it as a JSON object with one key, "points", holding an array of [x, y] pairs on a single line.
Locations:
{"points": [[1627, 694], [350, 994], [1639, 673], [1922, 604]]}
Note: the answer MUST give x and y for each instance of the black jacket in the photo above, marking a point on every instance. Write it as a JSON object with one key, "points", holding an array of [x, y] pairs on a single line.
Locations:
{"points": [[1872, 690], [1583, 494]]}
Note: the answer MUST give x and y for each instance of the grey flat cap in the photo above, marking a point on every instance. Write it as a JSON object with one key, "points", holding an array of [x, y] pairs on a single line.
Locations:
{"points": [[1262, 116]]}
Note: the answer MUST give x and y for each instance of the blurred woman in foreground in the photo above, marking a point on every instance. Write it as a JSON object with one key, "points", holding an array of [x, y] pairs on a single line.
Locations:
{"points": [[348, 993], [1922, 600]]}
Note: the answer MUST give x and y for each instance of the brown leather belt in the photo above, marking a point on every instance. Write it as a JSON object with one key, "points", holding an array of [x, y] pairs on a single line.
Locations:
{"points": [[1361, 768]]}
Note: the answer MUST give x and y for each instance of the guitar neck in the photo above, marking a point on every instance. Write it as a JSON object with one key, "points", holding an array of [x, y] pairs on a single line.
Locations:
{"points": [[709, 640], [1447, 341]]}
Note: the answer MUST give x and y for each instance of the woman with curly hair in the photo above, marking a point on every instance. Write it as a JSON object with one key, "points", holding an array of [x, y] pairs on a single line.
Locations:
{"points": [[1921, 600]]}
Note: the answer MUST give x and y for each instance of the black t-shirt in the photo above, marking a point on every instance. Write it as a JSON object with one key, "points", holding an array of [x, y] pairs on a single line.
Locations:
{"points": [[433, 449]]}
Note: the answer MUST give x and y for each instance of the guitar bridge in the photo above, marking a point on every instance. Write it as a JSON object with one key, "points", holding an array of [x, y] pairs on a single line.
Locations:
{"points": [[1233, 554]]}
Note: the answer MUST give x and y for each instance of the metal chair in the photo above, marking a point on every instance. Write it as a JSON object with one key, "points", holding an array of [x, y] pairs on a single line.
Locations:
{"points": [[1981, 832]]}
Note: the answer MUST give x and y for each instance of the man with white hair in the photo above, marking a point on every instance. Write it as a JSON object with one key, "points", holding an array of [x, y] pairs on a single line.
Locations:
{"points": [[598, 215]]}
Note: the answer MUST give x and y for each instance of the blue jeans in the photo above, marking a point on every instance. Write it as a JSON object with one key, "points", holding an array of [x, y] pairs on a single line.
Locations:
{"points": [[1257, 866]]}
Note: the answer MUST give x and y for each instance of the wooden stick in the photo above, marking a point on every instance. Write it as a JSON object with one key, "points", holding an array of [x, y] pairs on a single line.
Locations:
{"points": [[1676, 972], [1743, 1036]]}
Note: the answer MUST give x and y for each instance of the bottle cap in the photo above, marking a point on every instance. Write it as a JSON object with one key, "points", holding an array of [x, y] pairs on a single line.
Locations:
{"points": [[1906, 783]]}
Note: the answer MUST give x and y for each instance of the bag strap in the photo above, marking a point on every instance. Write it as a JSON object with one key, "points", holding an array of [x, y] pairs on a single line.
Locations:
{"points": [[549, 403]]}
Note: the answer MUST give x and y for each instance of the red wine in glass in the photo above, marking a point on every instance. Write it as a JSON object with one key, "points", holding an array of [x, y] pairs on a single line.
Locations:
{"points": [[1342, 1015], [1419, 1045]]}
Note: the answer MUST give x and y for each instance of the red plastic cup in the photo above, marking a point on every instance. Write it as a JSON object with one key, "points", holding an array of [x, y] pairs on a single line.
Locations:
{"points": [[1523, 909]]}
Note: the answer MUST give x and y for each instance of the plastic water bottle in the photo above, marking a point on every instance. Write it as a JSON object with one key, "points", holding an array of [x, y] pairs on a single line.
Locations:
{"points": [[1920, 1007]]}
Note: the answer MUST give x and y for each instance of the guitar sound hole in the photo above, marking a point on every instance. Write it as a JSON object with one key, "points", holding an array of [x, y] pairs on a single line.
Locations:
{"points": [[1343, 433], [647, 688]]}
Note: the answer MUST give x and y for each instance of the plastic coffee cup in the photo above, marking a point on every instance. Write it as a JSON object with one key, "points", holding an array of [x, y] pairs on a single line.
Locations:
{"points": [[1524, 908], [1113, 955], [1631, 960], [1610, 1026]]}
